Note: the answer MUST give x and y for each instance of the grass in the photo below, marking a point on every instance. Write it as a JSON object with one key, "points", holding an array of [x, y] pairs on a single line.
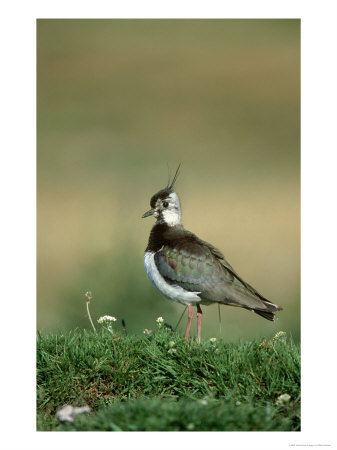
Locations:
{"points": [[159, 382]]}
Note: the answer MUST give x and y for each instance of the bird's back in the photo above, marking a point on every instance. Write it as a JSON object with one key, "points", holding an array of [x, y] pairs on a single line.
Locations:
{"points": [[185, 260]]}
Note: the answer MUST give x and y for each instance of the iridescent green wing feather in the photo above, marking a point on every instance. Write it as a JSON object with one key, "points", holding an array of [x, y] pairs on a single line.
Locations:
{"points": [[195, 265]]}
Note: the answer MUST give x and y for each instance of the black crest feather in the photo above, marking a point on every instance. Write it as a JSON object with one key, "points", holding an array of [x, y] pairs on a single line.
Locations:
{"points": [[170, 186], [163, 193]]}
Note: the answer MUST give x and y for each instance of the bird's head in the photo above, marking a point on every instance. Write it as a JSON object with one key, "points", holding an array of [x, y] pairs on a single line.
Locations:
{"points": [[165, 204]]}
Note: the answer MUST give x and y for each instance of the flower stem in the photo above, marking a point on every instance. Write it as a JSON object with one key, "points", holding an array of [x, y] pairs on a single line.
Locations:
{"points": [[92, 323]]}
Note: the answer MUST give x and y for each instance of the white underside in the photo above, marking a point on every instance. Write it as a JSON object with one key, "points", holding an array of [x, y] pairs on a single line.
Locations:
{"points": [[173, 292]]}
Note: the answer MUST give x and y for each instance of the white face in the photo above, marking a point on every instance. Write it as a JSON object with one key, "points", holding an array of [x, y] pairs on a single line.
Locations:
{"points": [[169, 210]]}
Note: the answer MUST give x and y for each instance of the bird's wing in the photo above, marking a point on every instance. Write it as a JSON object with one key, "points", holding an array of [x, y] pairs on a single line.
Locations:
{"points": [[230, 269], [187, 261]]}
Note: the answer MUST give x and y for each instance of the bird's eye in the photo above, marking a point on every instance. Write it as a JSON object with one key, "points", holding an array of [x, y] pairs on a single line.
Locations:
{"points": [[165, 204]]}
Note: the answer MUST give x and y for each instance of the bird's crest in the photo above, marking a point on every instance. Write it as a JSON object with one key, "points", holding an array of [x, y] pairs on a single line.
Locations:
{"points": [[170, 186]]}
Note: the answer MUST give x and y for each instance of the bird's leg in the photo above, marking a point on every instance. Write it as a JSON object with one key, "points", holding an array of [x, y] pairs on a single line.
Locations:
{"points": [[199, 317], [189, 321]]}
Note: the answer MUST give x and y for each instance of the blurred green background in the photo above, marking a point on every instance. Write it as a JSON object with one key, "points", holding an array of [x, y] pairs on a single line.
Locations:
{"points": [[118, 101]]}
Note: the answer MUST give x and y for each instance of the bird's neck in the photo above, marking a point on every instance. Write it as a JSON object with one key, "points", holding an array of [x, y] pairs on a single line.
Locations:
{"points": [[159, 235]]}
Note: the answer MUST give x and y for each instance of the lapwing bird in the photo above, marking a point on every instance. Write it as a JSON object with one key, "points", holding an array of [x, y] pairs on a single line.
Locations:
{"points": [[191, 271]]}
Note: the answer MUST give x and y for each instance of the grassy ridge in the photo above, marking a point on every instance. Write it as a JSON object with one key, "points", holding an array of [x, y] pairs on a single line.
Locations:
{"points": [[159, 382]]}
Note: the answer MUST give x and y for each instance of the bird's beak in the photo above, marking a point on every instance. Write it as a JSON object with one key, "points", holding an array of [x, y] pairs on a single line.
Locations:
{"points": [[149, 213]]}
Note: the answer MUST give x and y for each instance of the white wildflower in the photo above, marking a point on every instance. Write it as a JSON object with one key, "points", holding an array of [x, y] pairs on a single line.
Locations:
{"points": [[212, 340], [172, 350], [283, 399], [172, 343], [237, 403], [147, 332], [204, 402], [106, 319], [160, 321], [279, 335]]}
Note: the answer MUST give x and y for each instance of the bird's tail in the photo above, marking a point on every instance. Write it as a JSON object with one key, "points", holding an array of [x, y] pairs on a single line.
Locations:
{"points": [[269, 313], [266, 314]]}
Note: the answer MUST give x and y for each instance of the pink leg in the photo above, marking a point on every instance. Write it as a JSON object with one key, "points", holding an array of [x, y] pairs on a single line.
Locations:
{"points": [[199, 317], [189, 321]]}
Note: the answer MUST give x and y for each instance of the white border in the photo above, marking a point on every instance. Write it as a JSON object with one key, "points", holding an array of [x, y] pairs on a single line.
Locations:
{"points": [[319, 250]]}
